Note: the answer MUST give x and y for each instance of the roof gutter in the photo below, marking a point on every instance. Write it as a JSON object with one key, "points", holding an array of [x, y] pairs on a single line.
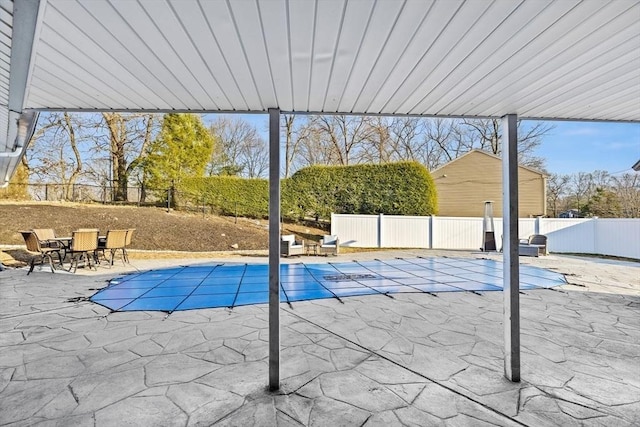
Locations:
{"points": [[21, 129], [20, 124]]}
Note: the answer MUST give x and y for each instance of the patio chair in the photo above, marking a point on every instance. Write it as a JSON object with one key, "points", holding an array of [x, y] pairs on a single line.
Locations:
{"points": [[115, 239], [42, 253], [329, 245], [46, 237], [127, 242], [289, 246], [83, 246], [535, 245]]}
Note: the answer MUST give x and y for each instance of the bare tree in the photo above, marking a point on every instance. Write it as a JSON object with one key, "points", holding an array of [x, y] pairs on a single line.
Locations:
{"points": [[600, 179], [344, 134], [233, 136], [406, 140], [446, 140], [487, 135], [296, 131], [314, 150], [55, 153], [581, 186], [557, 189], [254, 156], [378, 147], [627, 186], [128, 139]]}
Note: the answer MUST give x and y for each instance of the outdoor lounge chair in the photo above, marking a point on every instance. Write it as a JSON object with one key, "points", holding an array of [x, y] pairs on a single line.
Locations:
{"points": [[116, 239], [329, 245], [289, 246], [43, 253], [535, 245]]}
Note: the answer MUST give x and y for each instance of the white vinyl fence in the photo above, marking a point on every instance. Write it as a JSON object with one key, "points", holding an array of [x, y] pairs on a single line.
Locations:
{"points": [[603, 236]]}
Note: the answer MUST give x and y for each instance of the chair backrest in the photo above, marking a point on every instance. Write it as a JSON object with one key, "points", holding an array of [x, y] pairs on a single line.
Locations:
{"points": [[44, 233], [288, 238], [31, 240], [127, 241], [116, 239], [84, 240], [538, 239], [329, 240]]}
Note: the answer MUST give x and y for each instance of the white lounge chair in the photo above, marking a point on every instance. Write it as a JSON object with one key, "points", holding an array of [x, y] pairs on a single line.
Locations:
{"points": [[289, 246], [329, 245], [535, 245]]}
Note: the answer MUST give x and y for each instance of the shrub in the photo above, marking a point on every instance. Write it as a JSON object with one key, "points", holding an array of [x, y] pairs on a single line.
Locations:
{"points": [[228, 195], [404, 188], [18, 186]]}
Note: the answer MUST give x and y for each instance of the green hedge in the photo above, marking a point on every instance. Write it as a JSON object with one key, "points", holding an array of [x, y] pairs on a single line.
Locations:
{"points": [[404, 188], [227, 195]]}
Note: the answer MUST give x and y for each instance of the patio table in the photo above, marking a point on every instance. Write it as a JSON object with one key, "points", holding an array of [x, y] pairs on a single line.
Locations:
{"points": [[311, 248], [65, 243]]}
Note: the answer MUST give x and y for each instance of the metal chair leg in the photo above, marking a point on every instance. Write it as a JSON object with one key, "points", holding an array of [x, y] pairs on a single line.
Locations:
{"points": [[60, 259], [74, 259], [50, 259]]}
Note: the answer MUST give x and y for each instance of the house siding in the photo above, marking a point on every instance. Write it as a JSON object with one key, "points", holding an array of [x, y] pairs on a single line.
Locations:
{"points": [[465, 183]]}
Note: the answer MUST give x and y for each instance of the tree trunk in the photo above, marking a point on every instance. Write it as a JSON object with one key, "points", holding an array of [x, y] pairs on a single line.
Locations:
{"points": [[74, 146]]}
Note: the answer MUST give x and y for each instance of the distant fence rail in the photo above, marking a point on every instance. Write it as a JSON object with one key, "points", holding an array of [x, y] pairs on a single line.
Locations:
{"points": [[82, 193], [88, 193], [601, 236]]}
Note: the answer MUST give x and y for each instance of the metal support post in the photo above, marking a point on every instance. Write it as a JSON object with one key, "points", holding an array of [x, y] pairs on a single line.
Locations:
{"points": [[511, 270], [274, 249]]}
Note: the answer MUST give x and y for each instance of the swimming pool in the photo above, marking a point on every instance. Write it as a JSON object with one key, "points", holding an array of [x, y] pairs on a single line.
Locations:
{"points": [[236, 284]]}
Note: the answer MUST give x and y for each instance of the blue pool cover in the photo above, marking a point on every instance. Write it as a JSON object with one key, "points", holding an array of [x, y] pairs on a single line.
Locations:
{"points": [[233, 284]]}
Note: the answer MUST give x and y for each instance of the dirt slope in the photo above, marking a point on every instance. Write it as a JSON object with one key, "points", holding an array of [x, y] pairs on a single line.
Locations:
{"points": [[155, 228]]}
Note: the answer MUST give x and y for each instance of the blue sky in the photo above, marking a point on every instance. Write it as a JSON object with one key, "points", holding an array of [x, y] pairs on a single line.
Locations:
{"points": [[570, 147], [588, 146]]}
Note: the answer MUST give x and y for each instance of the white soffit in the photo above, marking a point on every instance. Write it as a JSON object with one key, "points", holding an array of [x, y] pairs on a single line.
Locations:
{"points": [[6, 32], [539, 59]]}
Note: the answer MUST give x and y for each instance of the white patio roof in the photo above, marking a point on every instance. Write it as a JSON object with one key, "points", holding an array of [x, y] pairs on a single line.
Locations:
{"points": [[537, 59]]}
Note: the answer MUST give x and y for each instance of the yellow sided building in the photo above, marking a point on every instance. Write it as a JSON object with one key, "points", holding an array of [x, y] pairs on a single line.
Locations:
{"points": [[465, 183]]}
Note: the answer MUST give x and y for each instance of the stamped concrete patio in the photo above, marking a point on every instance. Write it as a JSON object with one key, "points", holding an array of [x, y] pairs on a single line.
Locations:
{"points": [[414, 359]]}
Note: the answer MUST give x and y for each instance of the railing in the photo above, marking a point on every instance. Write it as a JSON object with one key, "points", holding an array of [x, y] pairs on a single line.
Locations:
{"points": [[80, 193], [602, 236]]}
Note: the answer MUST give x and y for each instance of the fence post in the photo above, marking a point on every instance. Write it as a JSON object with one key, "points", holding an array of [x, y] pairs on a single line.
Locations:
{"points": [[432, 219], [332, 232], [380, 229], [595, 235]]}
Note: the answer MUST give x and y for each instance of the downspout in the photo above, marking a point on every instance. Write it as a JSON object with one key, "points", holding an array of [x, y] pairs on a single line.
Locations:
{"points": [[20, 124], [23, 127]]}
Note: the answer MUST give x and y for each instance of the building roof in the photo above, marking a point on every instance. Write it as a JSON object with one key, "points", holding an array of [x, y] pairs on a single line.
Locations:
{"points": [[482, 152], [537, 59]]}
